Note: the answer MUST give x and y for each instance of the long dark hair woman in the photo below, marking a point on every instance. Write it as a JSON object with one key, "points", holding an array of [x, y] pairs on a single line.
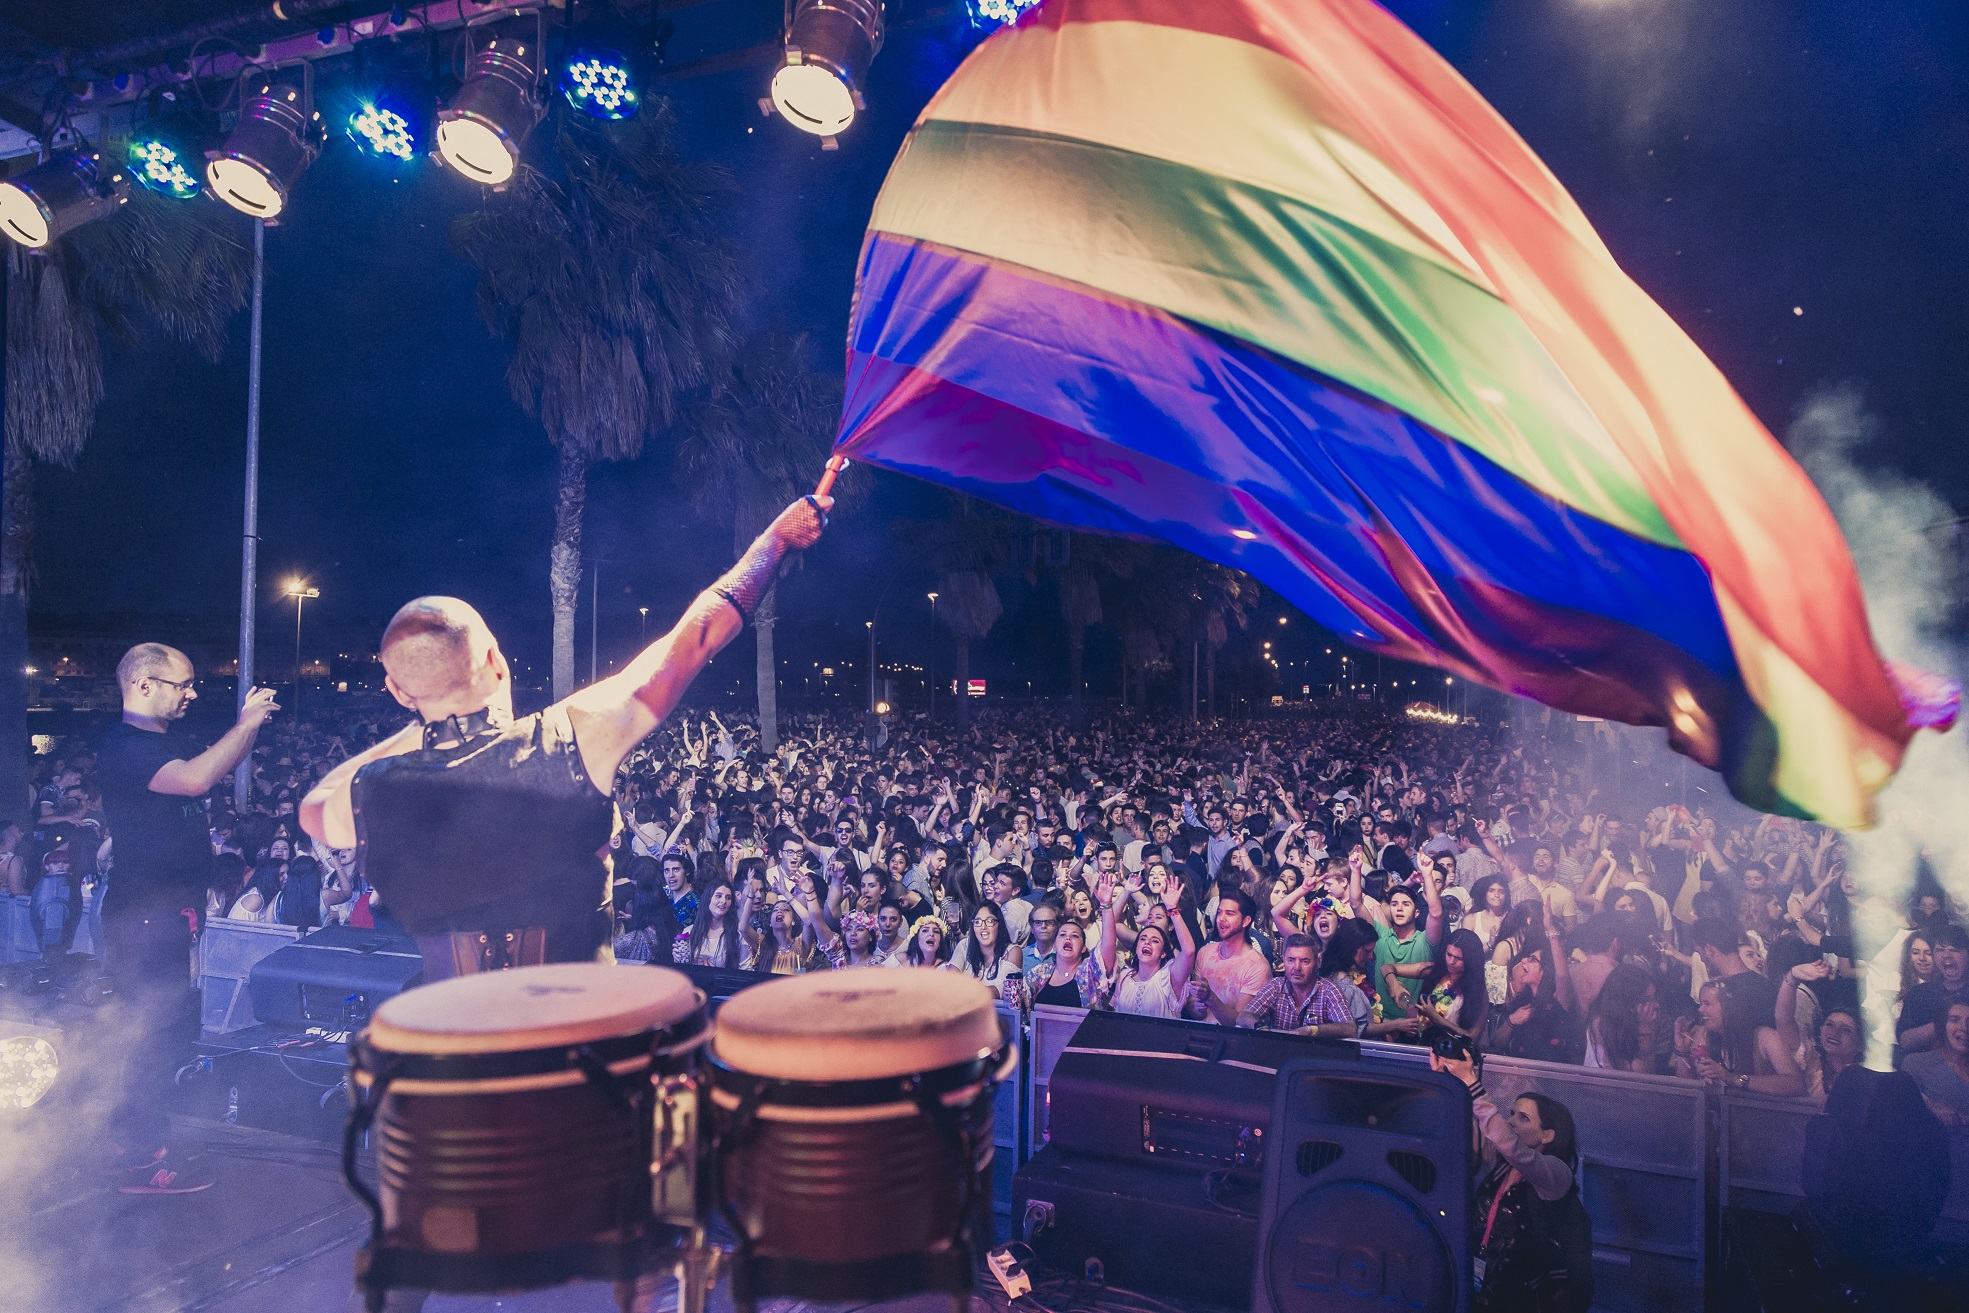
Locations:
{"points": [[714, 940], [299, 902], [1533, 1240], [1620, 1026], [1453, 990]]}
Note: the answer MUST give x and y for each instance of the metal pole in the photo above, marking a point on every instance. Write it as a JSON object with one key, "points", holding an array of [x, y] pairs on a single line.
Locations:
{"points": [[594, 618], [249, 555], [299, 598], [871, 664], [932, 680]]}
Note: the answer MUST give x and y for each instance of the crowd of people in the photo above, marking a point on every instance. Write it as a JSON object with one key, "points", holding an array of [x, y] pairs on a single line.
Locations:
{"points": [[1337, 871]]}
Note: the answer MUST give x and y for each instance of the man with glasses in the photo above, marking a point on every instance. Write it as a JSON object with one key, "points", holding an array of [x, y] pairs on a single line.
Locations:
{"points": [[154, 781]]}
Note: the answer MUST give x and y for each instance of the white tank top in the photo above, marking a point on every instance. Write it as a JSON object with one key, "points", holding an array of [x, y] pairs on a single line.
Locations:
{"points": [[1151, 999]]}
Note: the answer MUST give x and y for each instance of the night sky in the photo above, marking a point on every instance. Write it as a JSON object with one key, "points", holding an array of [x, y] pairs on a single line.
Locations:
{"points": [[1745, 163]]}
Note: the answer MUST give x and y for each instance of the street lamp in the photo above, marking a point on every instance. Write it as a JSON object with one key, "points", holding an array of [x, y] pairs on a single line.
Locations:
{"points": [[645, 630], [932, 681], [300, 592]]}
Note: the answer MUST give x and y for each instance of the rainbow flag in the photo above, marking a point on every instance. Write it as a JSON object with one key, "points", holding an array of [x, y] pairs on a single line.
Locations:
{"points": [[1268, 280]]}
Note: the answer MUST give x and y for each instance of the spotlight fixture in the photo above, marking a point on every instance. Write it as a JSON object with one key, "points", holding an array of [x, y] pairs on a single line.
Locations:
{"points": [[380, 131], [600, 82], [29, 1067], [998, 13], [59, 195], [829, 46], [163, 156], [278, 135], [481, 131]]}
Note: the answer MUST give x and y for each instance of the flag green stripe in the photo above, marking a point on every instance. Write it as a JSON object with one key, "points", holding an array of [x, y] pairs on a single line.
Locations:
{"points": [[1274, 271]]}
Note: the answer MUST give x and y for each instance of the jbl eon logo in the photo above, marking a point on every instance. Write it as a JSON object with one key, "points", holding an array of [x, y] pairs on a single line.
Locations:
{"points": [[1386, 1277]]}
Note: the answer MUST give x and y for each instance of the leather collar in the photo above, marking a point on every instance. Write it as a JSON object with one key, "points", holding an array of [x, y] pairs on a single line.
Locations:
{"points": [[459, 729]]}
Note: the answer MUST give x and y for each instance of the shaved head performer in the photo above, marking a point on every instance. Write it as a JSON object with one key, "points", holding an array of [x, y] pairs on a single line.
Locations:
{"points": [[488, 836]]}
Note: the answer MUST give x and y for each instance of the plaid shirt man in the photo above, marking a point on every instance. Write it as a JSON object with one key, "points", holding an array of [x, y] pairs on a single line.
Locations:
{"points": [[1275, 1008]]}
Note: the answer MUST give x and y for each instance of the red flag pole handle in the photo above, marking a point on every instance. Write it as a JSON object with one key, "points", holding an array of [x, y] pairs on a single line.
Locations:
{"points": [[835, 464]]}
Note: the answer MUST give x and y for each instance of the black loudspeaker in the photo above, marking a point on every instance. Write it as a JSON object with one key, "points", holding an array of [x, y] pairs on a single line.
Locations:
{"points": [[1162, 1230], [1170, 1093], [333, 978], [1367, 1191]]}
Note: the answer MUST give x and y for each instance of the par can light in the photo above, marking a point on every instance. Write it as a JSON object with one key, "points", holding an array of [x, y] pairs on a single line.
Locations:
{"points": [[163, 166], [601, 83], [60, 195], [380, 131], [278, 135], [829, 46], [29, 1067], [481, 130]]}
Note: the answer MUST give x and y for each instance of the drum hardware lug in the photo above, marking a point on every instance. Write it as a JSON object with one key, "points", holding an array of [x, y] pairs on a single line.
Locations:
{"points": [[675, 1165], [697, 1266]]}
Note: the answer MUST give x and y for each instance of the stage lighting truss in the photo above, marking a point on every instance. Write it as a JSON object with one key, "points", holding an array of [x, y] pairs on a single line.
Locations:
{"points": [[829, 46], [278, 135], [59, 195], [998, 13], [380, 131], [600, 83], [483, 127]]}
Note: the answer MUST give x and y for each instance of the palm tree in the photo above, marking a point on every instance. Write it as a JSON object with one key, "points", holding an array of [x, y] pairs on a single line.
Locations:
{"points": [[1090, 561], [966, 547], [156, 267], [616, 289], [749, 450], [969, 605]]}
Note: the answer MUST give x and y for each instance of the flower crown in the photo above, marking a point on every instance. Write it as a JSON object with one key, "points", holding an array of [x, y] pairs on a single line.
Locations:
{"points": [[936, 921]]}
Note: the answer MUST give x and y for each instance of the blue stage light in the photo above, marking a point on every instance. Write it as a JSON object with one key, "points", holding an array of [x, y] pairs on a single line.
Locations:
{"points": [[379, 130], [163, 166], [997, 13], [599, 82]]}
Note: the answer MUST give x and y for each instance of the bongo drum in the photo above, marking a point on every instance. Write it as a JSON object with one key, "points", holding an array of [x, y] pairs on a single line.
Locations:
{"points": [[852, 1116], [520, 1118]]}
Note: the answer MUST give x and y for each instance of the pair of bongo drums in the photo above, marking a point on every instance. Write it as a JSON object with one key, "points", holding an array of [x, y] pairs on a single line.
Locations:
{"points": [[586, 1122]]}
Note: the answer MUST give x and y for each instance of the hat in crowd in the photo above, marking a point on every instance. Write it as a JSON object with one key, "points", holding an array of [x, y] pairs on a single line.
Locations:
{"points": [[1458, 895]]}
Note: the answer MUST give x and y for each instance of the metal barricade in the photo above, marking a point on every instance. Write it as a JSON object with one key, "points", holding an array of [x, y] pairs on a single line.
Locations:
{"points": [[1760, 1149], [22, 941], [227, 952], [1052, 1031], [1008, 1119], [1644, 1176]]}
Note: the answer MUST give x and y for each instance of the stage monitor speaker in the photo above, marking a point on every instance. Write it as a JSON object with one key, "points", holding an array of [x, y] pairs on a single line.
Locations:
{"points": [[1165, 1231], [1367, 1191], [1170, 1093], [333, 978]]}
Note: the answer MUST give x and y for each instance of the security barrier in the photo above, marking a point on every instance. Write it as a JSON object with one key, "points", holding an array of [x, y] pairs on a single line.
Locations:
{"points": [[22, 941], [1051, 1031], [1644, 1168], [1760, 1143], [227, 952]]}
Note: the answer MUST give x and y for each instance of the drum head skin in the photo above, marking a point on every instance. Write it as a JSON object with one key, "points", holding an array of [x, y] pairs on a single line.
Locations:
{"points": [[857, 1025], [536, 1007]]}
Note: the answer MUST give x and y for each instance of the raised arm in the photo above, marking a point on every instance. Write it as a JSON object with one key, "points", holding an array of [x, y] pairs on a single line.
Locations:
{"points": [[196, 777], [613, 715]]}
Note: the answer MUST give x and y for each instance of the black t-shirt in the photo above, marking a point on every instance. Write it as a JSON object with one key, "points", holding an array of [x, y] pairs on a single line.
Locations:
{"points": [[1927, 1003], [163, 851]]}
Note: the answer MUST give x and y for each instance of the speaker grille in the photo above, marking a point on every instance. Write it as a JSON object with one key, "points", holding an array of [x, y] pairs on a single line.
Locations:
{"points": [[1317, 1155], [1417, 1170]]}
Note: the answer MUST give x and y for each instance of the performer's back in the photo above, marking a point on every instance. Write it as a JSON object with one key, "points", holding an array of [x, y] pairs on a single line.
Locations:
{"points": [[497, 835]]}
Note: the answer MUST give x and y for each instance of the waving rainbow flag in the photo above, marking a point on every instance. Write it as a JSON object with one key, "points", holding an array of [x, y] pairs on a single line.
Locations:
{"points": [[1268, 280]]}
